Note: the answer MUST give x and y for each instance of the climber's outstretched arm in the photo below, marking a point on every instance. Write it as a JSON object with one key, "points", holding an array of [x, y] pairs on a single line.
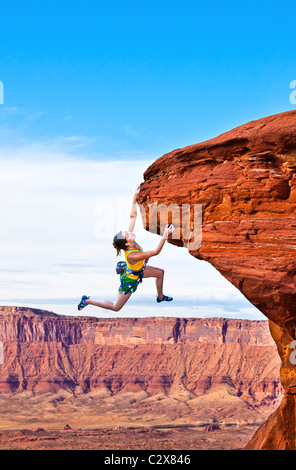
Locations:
{"points": [[133, 213], [136, 256]]}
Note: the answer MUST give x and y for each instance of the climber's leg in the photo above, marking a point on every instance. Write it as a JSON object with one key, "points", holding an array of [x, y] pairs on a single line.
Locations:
{"points": [[158, 273], [121, 299]]}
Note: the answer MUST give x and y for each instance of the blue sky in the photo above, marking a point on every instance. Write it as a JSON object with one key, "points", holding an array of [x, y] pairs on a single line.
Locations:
{"points": [[143, 77], [94, 92]]}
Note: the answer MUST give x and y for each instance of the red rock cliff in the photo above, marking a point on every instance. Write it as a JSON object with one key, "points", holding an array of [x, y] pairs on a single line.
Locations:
{"points": [[245, 180], [45, 352]]}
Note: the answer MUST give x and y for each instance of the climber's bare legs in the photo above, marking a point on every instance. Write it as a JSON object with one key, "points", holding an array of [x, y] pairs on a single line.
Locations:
{"points": [[158, 274], [121, 299]]}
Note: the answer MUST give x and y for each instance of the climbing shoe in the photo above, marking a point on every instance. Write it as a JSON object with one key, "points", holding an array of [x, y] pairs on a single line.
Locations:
{"points": [[82, 303], [164, 298]]}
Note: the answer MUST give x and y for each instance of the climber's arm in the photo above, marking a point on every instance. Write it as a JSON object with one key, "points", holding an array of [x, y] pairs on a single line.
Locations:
{"points": [[133, 213], [136, 256]]}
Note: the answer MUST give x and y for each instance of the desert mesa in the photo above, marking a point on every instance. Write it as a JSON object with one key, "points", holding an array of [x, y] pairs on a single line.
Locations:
{"points": [[175, 375]]}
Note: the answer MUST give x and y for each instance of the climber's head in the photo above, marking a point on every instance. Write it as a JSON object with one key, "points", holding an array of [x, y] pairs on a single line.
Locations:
{"points": [[123, 240]]}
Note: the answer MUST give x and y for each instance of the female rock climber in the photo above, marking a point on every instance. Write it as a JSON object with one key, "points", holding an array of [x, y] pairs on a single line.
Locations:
{"points": [[136, 266]]}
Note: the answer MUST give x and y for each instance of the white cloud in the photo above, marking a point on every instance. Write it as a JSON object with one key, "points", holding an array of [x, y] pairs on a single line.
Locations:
{"points": [[12, 110], [58, 218], [16, 111]]}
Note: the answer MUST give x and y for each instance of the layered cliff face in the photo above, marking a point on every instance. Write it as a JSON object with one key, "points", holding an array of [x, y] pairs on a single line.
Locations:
{"points": [[245, 180], [193, 367]]}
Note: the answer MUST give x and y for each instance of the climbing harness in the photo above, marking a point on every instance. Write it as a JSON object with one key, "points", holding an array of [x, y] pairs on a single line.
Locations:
{"points": [[123, 270], [127, 284]]}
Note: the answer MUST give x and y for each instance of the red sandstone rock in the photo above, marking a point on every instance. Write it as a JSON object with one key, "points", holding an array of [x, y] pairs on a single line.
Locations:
{"points": [[211, 428], [245, 180], [51, 353]]}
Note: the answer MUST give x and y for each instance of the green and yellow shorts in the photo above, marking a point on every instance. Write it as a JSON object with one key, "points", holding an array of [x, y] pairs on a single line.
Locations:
{"points": [[128, 285]]}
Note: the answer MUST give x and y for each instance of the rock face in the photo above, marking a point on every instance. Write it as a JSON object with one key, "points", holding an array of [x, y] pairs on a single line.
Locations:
{"points": [[245, 180], [187, 358]]}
